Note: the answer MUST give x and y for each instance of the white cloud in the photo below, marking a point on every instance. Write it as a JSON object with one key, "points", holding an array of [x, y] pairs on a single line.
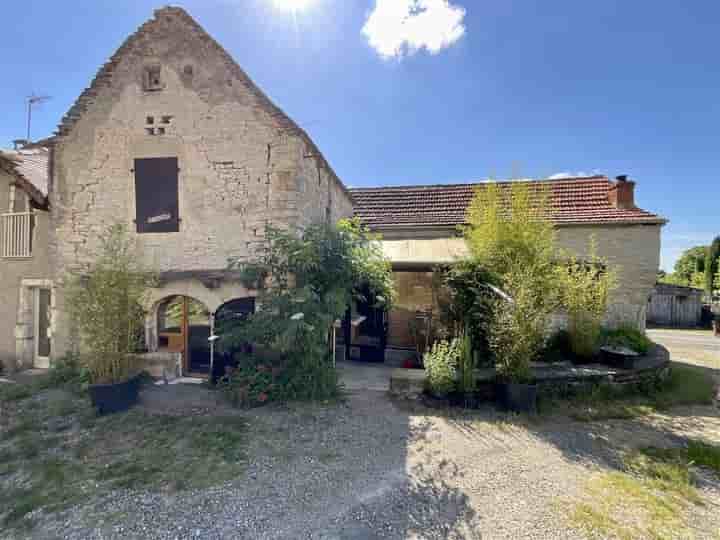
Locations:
{"points": [[578, 174], [396, 28]]}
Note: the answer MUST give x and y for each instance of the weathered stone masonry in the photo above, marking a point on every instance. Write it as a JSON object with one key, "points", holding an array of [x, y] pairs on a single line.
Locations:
{"points": [[243, 164]]}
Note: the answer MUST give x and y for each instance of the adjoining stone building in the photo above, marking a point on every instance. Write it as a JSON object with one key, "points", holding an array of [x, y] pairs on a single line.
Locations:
{"points": [[420, 229], [25, 278], [173, 140]]}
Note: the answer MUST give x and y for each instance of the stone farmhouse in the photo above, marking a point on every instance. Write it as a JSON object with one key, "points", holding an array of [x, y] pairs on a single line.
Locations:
{"points": [[175, 141]]}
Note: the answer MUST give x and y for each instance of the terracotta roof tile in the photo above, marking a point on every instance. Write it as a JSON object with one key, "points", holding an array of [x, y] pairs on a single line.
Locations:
{"points": [[574, 201]]}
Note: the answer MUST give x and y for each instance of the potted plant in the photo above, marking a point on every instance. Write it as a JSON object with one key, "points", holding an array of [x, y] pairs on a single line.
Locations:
{"points": [[105, 304], [116, 382], [516, 335]]}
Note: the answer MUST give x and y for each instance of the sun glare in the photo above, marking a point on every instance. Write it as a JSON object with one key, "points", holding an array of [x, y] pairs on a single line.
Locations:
{"points": [[293, 5]]}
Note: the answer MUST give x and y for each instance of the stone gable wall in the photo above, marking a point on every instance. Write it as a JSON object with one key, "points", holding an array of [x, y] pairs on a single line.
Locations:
{"points": [[241, 166]]}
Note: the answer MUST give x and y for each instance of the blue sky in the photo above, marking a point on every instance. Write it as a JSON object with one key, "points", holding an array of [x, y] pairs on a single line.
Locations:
{"points": [[468, 90]]}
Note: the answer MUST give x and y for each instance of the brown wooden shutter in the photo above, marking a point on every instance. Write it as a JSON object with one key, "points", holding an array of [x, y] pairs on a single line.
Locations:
{"points": [[156, 195]]}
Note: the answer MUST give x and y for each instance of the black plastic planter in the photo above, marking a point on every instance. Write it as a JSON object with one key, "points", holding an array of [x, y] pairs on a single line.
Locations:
{"points": [[112, 398], [620, 358], [517, 397]]}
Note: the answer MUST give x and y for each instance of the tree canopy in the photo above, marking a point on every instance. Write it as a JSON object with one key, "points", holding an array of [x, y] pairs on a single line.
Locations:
{"points": [[712, 264]]}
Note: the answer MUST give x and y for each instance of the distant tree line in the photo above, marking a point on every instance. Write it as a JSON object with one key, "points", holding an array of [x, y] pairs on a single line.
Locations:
{"points": [[697, 267]]}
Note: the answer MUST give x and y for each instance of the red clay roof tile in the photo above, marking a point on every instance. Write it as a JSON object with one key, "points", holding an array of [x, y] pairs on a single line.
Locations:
{"points": [[574, 201]]}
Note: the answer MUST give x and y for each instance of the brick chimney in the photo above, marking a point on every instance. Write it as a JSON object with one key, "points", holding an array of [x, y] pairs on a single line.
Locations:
{"points": [[622, 193]]}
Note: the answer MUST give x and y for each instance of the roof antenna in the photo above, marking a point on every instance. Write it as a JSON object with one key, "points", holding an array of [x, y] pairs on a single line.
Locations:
{"points": [[32, 99]]}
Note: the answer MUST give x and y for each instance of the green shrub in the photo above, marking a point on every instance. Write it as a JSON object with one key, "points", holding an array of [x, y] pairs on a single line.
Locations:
{"points": [[557, 347], [629, 337], [466, 364], [441, 364], [306, 282], [586, 286], [253, 382], [68, 371], [105, 305], [512, 235], [463, 301]]}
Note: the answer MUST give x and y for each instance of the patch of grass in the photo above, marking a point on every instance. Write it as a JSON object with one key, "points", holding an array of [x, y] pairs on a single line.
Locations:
{"points": [[14, 392], [697, 453], [704, 455], [610, 411], [684, 386], [647, 500], [21, 424], [672, 477], [55, 452], [62, 405]]}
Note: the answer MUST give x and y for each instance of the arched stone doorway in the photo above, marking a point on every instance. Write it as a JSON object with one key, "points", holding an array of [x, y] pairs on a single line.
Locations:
{"points": [[184, 326]]}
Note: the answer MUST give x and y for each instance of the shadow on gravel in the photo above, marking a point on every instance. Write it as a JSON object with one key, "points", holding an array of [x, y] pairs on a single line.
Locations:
{"points": [[396, 496]]}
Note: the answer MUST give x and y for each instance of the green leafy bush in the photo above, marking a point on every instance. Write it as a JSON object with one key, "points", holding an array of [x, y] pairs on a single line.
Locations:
{"points": [[466, 364], [464, 301], [255, 381], [516, 331], [307, 280], [629, 337], [68, 371], [586, 286], [105, 305], [511, 234], [441, 364]]}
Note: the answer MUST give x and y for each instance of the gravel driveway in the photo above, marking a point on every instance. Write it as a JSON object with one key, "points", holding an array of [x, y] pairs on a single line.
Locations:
{"points": [[372, 468]]}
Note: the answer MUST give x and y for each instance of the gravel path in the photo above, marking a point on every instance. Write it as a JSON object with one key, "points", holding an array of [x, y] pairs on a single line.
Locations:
{"points": [[371, 468]]}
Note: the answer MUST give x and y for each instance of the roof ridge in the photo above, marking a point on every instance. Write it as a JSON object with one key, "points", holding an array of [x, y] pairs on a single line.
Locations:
{"points": [[481, 182], [103, 78]]}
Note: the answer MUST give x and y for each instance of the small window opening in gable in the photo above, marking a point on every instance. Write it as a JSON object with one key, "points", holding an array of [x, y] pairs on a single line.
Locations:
{"points": [[151, 78], [188, 70], [150, 120], [156, 195], [166, 119], [150, 131], [160, 131]]}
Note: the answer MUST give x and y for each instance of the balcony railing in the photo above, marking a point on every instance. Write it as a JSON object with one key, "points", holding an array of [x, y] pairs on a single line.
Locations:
{"points": [[16, 235]]}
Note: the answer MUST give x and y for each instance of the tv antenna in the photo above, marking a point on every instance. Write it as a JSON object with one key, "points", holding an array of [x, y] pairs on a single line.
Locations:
{"points": [[32, 99]]}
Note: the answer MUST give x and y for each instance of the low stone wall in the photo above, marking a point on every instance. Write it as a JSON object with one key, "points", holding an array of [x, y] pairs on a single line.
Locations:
{"points": [[562, 379]]}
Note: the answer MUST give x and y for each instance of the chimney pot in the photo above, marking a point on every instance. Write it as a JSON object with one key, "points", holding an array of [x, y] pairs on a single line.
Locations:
{"points": [[622, 193]]}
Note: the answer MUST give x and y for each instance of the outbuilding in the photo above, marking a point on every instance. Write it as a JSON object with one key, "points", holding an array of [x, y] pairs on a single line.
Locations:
{"points": [[675, 305]]}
